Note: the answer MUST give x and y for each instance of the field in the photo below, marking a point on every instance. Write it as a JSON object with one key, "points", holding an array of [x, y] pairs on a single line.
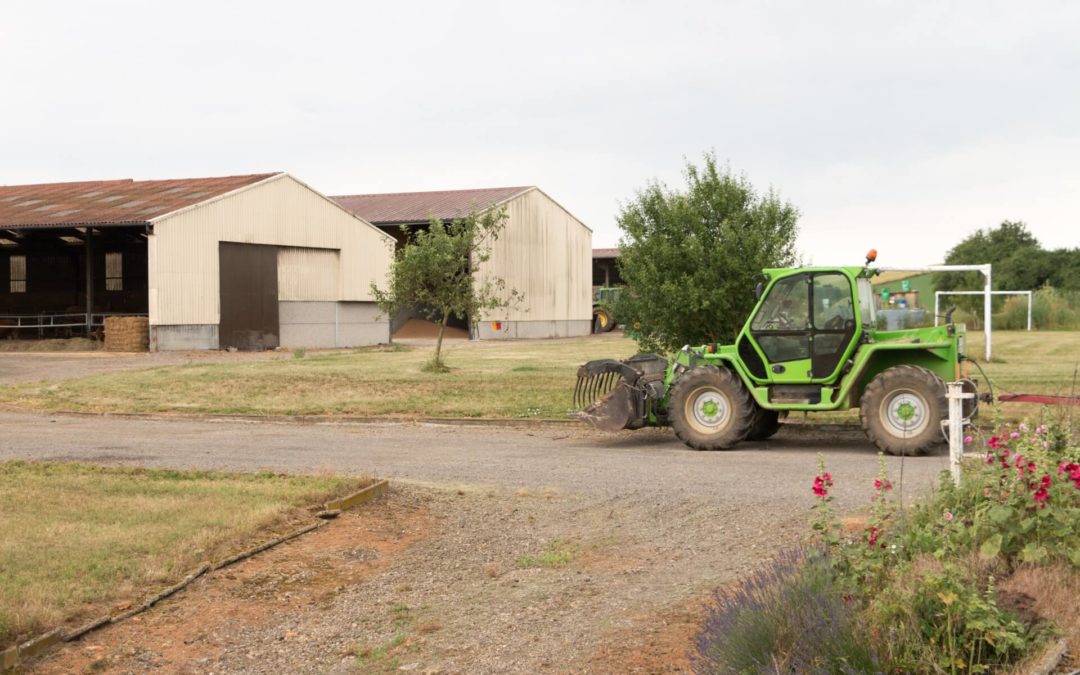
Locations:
{"points": [[80, 538], [531, 379]]}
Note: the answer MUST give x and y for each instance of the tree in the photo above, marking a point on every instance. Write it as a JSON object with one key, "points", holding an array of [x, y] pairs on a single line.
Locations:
{"points": [[436, 273], [691, 258], [1020, 264], [1019, 261]]}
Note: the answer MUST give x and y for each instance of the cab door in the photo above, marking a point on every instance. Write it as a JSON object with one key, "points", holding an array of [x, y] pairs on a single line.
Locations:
{"points": [[803, 329]]}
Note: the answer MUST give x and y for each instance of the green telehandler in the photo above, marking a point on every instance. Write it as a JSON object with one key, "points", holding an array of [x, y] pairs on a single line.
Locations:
{"points": [[810, 344]]}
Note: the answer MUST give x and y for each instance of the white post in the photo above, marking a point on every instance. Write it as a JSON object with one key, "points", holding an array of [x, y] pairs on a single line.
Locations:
{"points": [[987, 309], [1029, 309], [937, 306], [955, 394]]}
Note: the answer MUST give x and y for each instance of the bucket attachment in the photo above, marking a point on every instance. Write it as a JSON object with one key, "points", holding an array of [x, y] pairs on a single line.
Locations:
{"points": [[613, 411], [611, 395]]}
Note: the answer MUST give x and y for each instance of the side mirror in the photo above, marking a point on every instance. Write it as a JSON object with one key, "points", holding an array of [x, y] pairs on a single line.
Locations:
{"points": [[759, 288]]}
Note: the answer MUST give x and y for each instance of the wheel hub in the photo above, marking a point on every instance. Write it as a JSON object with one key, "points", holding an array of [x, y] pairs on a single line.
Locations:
{"points": [[905, 413], [710, 409]]}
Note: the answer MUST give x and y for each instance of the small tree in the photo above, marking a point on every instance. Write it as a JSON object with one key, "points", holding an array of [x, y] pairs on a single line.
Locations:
{"points": [[435, 273], [691, 258]]}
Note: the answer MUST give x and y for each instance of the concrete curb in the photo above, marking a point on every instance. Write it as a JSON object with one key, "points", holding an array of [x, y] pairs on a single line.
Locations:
{"points": [[12, 656]]}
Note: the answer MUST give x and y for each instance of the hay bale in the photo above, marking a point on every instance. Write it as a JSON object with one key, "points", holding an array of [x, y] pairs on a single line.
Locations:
{"points": [[127, 334]]}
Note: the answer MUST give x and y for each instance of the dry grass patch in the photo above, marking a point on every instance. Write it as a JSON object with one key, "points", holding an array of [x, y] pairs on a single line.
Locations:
{"points": [[519, 379], [78, 539]]}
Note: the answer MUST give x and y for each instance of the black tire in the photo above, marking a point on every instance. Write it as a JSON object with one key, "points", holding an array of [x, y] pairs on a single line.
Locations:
{"points": [[902, 409], [710, 408], [602, 320], [765, 425]]}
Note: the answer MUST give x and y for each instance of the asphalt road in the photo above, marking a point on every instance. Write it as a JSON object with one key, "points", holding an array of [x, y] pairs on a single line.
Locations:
{"points": [[569, 458]]}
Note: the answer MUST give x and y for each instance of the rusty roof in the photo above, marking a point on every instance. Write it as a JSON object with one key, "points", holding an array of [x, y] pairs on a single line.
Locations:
{"points": [[602, 253], [397, 208], [109, 202]]}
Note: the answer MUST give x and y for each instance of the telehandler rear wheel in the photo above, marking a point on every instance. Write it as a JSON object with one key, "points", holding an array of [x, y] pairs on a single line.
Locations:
{"points": [[710, 408], [902, 409]]}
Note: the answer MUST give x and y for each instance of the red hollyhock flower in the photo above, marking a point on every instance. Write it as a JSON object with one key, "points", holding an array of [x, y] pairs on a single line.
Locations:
{"points": [[1041, 496]]}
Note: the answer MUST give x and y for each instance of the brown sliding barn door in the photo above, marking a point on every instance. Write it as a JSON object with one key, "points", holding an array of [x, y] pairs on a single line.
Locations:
{"points": [[249, 296]]}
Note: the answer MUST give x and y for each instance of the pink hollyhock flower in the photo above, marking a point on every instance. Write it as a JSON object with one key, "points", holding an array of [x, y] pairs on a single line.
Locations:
{"points": [[967, 440], [948, 516], [1015, 434], [822, 484], [1023, 427]]}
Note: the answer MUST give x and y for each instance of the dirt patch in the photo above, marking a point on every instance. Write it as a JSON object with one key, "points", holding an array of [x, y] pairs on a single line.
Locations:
{"points": [[198, 626], [659, 643]]}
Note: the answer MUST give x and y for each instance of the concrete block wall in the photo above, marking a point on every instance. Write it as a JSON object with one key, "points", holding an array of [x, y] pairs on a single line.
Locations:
{"points": [[183, 338], [485, 330], [331, 324]]}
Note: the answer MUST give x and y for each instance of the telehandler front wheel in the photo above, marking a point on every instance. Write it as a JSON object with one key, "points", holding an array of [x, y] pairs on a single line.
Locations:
{"points": [[902, 409], [710, 408], [765, 424]]}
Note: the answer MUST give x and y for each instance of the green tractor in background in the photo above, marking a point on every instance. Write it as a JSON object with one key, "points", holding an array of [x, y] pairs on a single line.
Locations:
{"points": [[603, 309], [810, 344]]}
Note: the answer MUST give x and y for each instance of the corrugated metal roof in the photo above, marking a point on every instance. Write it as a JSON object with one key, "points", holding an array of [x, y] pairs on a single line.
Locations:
{"points": [[109, 202], [599, 253], [419, 207]]}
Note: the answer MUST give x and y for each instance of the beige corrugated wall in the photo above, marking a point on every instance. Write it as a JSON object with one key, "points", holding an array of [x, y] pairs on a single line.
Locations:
{"points": [[546, 254], [281, 211], [308, 274]]}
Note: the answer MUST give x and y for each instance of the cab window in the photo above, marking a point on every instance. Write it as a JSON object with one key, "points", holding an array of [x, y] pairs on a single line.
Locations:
{"points": [[785, 308], [833, 306]]}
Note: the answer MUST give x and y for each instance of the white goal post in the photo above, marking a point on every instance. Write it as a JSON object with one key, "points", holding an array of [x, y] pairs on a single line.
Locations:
{"points": [[938, 294], [985, 270]]}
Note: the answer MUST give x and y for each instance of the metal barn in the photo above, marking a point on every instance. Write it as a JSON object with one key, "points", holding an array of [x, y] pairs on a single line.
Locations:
{"points": [[246, 262], [544, 252]]}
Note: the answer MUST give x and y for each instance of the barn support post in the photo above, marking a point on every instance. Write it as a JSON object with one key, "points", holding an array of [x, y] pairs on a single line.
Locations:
{"points": [[89, 284]]}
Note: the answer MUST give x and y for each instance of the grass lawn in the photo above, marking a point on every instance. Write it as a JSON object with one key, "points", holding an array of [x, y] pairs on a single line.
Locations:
{"points": [[489, 379], [79, 538]]}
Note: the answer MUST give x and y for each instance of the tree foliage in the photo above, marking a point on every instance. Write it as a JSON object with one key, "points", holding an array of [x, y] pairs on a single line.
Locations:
{"points": [[690, 258], [1020, 263], [437, 273]]}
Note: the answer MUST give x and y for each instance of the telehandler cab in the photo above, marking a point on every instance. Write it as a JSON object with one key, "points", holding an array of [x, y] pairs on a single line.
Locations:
{"points": [[810, 344]]}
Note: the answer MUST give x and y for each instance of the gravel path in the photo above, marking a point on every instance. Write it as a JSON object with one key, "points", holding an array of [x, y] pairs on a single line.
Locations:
{"points": [[648, 525]]}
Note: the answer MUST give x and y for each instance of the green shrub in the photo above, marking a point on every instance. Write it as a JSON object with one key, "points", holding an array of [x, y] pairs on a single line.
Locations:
{"points": [[1051, 309]]}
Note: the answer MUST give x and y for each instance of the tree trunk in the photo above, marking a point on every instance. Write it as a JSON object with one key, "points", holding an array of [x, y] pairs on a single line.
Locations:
{"points": [[438, 339]]}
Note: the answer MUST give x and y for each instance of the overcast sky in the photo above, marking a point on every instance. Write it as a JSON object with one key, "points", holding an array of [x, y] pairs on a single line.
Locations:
{"points": [[899, 125]]}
